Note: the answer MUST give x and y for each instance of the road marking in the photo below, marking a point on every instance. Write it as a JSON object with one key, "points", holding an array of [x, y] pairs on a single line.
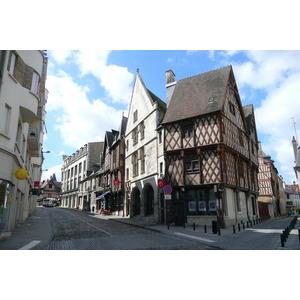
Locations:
{"points": [[195, 237], [30, 245]]}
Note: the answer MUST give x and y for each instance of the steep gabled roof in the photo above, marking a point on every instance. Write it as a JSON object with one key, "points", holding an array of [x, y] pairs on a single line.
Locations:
{"points": [[191, 95]]}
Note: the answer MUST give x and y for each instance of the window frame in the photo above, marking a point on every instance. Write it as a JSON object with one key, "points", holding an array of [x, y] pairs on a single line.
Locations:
{"points": [[191, 158]]}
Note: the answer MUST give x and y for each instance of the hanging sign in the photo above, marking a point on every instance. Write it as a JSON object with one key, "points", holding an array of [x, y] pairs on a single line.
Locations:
{"points": [[21, 174]]}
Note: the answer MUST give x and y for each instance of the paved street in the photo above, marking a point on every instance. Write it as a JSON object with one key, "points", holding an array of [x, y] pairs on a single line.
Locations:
{"points": [[70, 229]]}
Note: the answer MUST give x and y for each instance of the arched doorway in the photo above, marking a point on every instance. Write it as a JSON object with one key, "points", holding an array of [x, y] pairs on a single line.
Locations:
{"points": [[136, 202], [149, 201]]}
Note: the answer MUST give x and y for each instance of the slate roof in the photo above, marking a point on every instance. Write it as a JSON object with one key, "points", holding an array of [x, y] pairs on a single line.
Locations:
{"points": [[191, 95]]}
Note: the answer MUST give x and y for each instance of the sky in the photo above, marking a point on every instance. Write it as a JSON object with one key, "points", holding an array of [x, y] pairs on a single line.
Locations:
{"points": [[89, 90]]}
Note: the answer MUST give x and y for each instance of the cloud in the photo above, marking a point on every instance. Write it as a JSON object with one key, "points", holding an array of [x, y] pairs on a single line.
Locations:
{"points": [[60, 56], [78, 120], [114, 79], [53, 170], [277, 75]]}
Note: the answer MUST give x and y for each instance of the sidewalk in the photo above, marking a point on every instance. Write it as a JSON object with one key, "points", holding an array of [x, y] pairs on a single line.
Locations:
{"points": [[36, 232], [263, 236]]}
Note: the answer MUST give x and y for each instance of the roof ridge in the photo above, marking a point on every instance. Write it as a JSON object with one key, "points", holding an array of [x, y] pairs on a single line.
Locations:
{"points": [[205, 72]]}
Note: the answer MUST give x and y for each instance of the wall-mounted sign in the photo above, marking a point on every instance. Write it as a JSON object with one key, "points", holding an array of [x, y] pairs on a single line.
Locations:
{"points": [[167, 189], [161, 183], [36, 184], [116, 182], [21, 174]]}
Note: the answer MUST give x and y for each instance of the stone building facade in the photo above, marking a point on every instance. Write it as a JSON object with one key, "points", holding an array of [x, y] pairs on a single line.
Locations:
{"points": [[144, 153], [23, 98], [75, 169]]}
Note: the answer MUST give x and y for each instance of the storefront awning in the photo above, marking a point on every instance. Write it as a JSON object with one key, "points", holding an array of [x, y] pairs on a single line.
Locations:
{"points": [[101, 196]]}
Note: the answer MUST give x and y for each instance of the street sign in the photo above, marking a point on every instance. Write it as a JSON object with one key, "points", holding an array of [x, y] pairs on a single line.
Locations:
{"points": [[167, 189], [116, 182], [161, 183], [168, 197]]}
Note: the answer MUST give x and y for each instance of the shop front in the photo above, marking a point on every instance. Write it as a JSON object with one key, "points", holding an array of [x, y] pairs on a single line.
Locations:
{"points": [[192, 205]]}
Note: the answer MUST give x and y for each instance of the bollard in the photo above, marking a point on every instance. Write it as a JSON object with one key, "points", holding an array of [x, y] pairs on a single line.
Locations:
{"points": [[282, 240], [219, 230], [239, 227], [253, 222], [233, 228], [194, 227], [243, 225], [205, 231], [247, 224]]}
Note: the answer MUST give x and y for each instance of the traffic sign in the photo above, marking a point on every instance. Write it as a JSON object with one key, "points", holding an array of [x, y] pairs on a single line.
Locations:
{"points": [[168, 197], [161, 183], [167, 189]]}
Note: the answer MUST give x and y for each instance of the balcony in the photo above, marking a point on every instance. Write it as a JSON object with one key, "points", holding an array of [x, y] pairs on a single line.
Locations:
{"points": [[33, 138]]}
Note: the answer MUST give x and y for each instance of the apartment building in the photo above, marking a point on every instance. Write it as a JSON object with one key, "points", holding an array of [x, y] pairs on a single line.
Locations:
{"points": [[75, 191], [23, 97]]}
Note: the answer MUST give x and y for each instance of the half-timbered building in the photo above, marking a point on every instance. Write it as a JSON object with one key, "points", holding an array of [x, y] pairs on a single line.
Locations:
{"points": [[210, 150], [271, 201], [144, 160], [117, 169]]}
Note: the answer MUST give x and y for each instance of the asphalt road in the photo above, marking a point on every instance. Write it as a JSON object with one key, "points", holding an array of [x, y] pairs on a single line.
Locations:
{"points": [[75, 230]]}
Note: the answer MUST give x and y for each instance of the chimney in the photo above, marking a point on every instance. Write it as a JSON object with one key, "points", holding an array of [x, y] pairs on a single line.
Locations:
{"points": [[170, 85]]}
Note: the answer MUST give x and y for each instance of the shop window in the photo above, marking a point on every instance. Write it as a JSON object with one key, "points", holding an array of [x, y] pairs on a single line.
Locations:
{"points": [[202, 202]]}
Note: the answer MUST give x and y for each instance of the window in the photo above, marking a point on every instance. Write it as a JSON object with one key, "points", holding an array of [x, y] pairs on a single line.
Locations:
{"points": [[241, 169], [142, 158], [135, 116], [191, 162], [19, 132], [127, 173], [231, 108], [50, 186], [35, 84], [160, 137], [142, 129], [241, 137], [238, 202], [12, 63], [187, 130], [6, 119], [201, 202], [135, 136], [135, 164]]}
